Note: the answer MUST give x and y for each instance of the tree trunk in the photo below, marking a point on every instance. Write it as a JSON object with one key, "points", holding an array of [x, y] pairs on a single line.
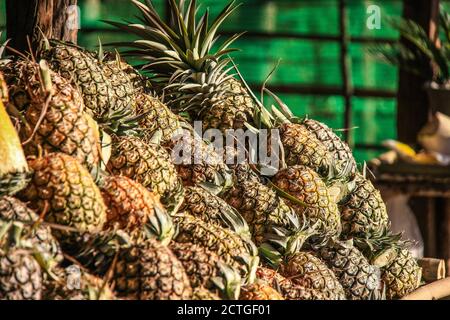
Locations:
{"points": [[25, 19]]}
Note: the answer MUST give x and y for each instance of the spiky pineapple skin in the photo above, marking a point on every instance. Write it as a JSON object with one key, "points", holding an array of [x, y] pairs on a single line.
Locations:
{"points": [[12, 209], [63, 189], [148, 164], [231, 247], [259, 291], [340, 150], [150, 271], [360, 279], [205, 205], [129, 204], [200, 263], [55, 124], [301, 147], [20, 275], [363, 212], [204, 294], [402, 275], [306, 185], [82, 67], [308, 271], [260, 207], [157, 117]]}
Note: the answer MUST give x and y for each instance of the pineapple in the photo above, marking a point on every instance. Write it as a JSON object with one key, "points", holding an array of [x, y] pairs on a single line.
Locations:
{"points": [[204, 294], [363, 212], [360, 279], [148, 164], [13, 210], [150, 271], [212, 209], [14, 172], [342, 154], [259, 291], [200, 263], [51, 113], [156, 117], [20, 275], [311, 198], [195, 79], [260, 206], [64, 192], [402, 276], [129, 204], [85, 71], [236, 251]]}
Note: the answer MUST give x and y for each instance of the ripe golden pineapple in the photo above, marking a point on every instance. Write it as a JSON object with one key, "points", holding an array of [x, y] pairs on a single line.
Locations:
{"points": [[150, 271], [148, 164], [401, 276], [64, 192], [129, 204], [260, 206], [236, 251], [360, 279], [317, 205], [259, 291], [204, 294], [20, 275], [14, 173], [363, 212], [53, 118]]}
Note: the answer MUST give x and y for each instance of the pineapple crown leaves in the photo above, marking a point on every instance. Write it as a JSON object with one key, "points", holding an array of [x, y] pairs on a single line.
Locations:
{"points": [[160, 226], [231, 217], [229, 281], [183, 42]]}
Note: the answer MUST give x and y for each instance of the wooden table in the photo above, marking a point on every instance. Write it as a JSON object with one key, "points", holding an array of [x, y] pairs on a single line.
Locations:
{"points": [[429, 188]]}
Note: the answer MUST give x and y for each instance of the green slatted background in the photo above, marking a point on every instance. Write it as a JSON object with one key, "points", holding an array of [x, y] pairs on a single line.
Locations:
{"points": [[304, 62]]}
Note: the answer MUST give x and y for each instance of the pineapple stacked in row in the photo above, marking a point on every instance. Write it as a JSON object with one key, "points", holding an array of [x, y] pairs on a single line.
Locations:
{"points": [[100, 187]]}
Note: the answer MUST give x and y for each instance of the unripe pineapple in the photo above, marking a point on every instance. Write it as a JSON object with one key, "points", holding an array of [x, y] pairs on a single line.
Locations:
{"points": [[316, 203], [260, 206], [360, 279], [150, 271], [235, 251], [64, 191], [14, 172], [53, 113], [148, 164], [259, 291], [363, 212], [20, 275], [129, 204]]}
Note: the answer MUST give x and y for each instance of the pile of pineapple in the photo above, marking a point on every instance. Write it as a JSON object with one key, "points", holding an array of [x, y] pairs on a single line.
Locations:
{"points": [[87, 180]]}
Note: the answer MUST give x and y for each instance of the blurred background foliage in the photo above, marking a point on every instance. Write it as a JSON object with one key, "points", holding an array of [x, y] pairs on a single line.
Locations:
{"points": [[283, 29]]}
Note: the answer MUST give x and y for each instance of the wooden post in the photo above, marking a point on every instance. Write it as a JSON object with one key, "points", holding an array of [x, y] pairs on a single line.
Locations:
{"points": [[412, 108], [55, 18]]}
